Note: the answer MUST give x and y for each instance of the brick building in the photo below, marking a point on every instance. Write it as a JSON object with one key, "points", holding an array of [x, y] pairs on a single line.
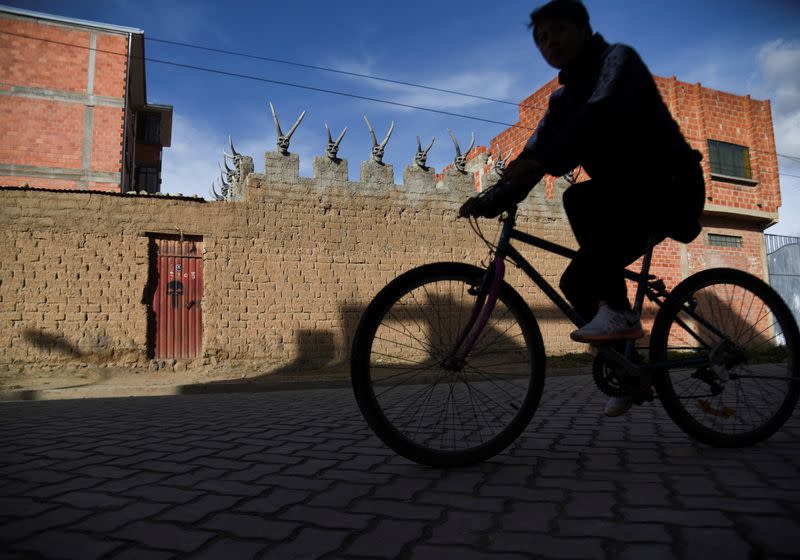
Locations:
{"points": [[73, 106]]}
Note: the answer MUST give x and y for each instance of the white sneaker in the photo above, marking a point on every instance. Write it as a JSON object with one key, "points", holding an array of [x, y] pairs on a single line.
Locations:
{"points": [[617, 406], [609, 325]]}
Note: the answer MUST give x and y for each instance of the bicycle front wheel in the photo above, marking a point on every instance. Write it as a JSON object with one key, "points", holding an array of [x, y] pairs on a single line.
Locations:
{"points": [[742, 343], [414, 399]]}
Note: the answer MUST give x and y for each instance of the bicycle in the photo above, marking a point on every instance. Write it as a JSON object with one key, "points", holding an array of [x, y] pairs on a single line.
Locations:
{"points": [[448, 362]]}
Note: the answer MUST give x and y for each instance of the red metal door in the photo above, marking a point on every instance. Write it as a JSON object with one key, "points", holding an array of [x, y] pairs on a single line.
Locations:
{"points": [[177, 298]]}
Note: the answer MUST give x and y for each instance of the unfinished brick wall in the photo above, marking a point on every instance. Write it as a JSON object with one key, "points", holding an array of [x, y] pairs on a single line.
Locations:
{"points": [[61, 112]]}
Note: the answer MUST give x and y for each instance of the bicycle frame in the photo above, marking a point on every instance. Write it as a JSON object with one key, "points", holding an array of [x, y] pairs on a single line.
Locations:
{"points": [[489, 290]]}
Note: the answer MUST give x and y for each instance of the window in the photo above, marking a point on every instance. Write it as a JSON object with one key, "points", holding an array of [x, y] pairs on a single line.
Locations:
{"points": [[719, 240], [148, 128], [145, 178], [729, 160]]}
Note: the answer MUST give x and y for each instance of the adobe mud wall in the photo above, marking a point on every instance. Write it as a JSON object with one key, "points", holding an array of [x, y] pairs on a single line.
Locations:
{"points": [[288, 269]]}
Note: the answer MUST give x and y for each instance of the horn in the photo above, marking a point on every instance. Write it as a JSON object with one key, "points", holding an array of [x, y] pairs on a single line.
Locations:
{"points": [[453, 136], [228, 169], [275, 118], [471, 145], [371, 132], [430, 145], [296, 124], [340, 137], [214, 192], [235, 153], [388, 134], [330, 140], [419, 144]]}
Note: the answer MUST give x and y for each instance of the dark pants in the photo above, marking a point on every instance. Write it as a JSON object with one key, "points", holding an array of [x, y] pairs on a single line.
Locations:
{"points": [[611, 226]]}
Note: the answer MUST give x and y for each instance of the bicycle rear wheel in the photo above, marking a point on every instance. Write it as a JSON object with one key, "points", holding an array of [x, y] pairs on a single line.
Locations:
{"points": [[745, 380], [421, 406]]}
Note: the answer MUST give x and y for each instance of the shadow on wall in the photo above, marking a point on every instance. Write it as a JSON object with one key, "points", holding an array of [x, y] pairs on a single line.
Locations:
{"points": [[51, 343], [320, 361]]}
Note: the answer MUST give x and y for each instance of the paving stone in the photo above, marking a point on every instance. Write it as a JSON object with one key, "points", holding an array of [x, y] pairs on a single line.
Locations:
{"points": [[627, 532], [530, 517], [78, 483], [22, 507], [461, 528], [68, 544], [397, 509], [387, 539], [340, 495], [585, 504], [327, 517], [226, 547], [195, 511], [546, 546], [401, 488], [460, 501], [91, 500], [646, 551], [523, 494], [277, 499], [679, 517], [139, 553], [646, 495], [164, 494], [714, 543], [125, 484], [775, 535], [164, 536], [109, 521], [309, 543], [54, 518], [249, 526], [231, 487], [731, 504]]}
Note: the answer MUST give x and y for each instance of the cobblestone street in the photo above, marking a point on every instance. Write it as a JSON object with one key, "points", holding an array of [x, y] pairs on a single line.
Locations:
{"points": [[298, 474]]}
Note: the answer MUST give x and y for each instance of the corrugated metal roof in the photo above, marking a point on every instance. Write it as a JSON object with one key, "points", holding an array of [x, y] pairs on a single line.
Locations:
{"points": [[70, 21]]}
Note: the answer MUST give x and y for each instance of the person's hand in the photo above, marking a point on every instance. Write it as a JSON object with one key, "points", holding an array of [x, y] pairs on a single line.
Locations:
{"points": [[522, 172], [490, 203]]}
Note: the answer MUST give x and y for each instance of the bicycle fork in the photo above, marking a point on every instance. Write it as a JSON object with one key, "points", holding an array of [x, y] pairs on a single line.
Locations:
{"points": [[488, 292]]}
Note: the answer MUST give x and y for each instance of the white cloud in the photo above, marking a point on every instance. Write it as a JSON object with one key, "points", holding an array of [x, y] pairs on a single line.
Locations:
{"points": [[779, 62], [189, 165]]}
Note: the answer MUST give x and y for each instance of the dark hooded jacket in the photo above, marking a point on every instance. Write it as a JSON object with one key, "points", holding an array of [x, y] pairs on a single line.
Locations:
{"points": [[610, 119]]}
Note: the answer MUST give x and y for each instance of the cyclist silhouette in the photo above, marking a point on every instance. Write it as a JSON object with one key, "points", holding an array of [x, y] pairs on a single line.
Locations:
{"points": [[646, 181]]}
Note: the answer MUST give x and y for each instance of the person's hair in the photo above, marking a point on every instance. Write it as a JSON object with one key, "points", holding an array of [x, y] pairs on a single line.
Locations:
{"points": [[569, 10]]}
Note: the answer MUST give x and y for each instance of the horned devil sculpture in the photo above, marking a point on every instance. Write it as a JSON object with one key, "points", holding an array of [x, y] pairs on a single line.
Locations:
{"points": [[461, 160], [421, 158], [500, 164], [283, 140], [230, 178], [378, 149], [332, 149]]}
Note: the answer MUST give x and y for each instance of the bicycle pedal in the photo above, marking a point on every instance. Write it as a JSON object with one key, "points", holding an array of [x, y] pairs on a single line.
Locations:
{"points": [[641, 397]]}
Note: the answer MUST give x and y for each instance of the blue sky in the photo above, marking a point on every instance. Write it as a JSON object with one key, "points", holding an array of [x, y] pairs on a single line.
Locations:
{"points": [[742, 46]]}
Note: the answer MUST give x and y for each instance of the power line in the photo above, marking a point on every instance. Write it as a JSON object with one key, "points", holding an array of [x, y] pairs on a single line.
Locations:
{"points": [[359, 75], [333, 70], [325, 90], [278, 82]]}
